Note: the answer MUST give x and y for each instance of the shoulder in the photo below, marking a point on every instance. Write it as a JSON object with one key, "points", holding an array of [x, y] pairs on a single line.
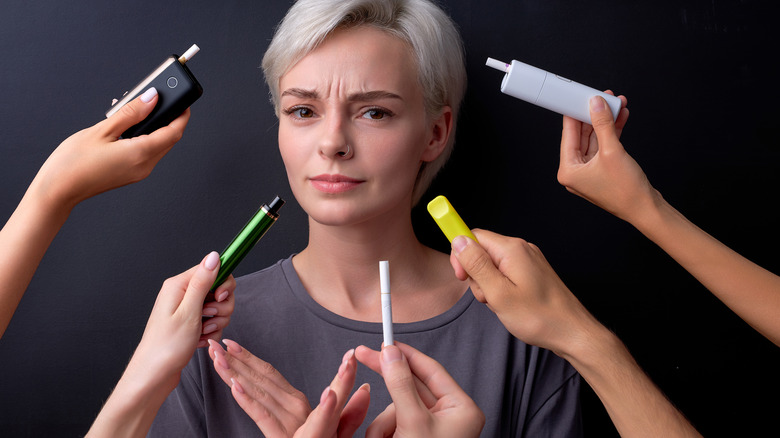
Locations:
{"points": [[270, 273], [268, 283], [264, 294]]}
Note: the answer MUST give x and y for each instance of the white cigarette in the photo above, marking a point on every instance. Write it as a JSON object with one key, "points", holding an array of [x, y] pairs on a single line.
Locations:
{"points": [[189, 53], [387, 309]]}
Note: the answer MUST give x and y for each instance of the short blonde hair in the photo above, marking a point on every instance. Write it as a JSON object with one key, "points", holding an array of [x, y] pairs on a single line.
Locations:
{"points": [[432, 35]]}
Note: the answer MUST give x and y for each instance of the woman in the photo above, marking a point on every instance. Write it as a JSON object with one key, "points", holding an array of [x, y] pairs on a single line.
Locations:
{"points": [[367, 94]]}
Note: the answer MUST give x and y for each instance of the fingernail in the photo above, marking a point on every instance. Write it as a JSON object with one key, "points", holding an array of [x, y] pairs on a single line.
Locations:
{"points": [[212, 261], [365, 387], [390, 354], [219, 359], [210, 311], [597, 104], [324, 395], [345, 362], [202, 343], [459, 244], [232, 346], [148, 95], [211, 328], [348, 355], [222, 297], [235, 384]]}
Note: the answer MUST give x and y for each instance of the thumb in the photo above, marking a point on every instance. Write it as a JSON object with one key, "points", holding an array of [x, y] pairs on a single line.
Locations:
{"points": [[200, 284], [603, 124], [478, 265], [132, 113], [400, 383]]}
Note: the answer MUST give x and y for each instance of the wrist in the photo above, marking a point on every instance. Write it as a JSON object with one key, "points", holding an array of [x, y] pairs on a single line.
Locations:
{"points": [[146, 378], [591, 348], [47, 200], [658, 219], [649, 211]]}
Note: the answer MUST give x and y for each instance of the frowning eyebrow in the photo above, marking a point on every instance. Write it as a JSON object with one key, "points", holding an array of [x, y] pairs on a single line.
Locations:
{"points": [[365, 96], [300, 93], [372, 95]]}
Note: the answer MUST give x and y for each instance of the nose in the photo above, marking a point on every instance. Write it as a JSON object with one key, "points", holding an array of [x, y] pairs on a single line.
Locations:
{"points": [[334, 140]]}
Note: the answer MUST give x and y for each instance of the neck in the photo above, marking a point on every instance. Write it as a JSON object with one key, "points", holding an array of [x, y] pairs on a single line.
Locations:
{"points": [[340, 270]]}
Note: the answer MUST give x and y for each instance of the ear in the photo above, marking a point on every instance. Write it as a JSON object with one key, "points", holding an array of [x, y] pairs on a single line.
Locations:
{"points": [[439, 135]]}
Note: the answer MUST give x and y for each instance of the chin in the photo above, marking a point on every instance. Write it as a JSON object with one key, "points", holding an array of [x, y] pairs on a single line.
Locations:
{"points": [[343, 214], [333, 212]]}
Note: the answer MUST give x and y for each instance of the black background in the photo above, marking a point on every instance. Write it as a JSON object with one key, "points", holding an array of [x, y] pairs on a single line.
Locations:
{"points": [[701, 79]]}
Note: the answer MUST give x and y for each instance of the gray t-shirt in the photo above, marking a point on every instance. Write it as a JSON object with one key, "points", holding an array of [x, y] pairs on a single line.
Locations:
{"points": [[523, 390]]}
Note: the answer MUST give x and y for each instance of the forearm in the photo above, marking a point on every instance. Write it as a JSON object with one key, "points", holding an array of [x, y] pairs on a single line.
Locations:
{"points": [[133, 405], [750, 291], [167, 345], [24, 240], [634, 403]]}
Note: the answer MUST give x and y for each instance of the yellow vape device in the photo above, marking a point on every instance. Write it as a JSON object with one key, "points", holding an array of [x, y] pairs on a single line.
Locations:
{"points": [[448, 219]]}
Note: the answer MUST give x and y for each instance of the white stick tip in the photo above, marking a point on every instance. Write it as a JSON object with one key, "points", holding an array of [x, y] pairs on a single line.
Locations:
{"points": [[190, 53], [384, 277], [496, 64]]}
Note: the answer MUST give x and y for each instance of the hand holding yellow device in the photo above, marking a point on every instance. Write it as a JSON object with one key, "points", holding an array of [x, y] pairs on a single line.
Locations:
{"points": [[448, 219]]}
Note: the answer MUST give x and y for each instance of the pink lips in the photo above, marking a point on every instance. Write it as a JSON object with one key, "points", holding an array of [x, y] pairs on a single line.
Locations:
{"points": [[334, 183]]}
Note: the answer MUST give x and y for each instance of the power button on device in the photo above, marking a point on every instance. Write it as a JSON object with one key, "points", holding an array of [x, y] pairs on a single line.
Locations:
{"points": [[562, 78], [172, 82]]}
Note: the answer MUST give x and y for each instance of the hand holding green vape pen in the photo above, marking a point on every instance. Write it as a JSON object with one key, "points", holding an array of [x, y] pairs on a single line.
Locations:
{"points": [[245, 241]]}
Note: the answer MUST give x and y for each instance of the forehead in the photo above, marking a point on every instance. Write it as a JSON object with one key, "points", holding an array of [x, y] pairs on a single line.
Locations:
{"points": [[363, 58]]}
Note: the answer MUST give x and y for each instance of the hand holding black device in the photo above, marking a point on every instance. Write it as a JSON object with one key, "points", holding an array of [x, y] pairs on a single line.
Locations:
{"points": [[177, 89]]}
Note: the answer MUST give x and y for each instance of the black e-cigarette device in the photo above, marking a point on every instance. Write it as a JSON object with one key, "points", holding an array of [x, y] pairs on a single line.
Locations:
{"points": [[177, 89], [245, 240]]}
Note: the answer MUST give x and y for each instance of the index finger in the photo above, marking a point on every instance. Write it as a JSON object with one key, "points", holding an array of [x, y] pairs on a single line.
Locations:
{"points": [[174, 130], [570, 142], [156, 144]]}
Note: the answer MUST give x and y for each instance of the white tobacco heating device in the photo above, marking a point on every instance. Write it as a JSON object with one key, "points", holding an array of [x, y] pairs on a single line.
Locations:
{"points": [[550, 91]]}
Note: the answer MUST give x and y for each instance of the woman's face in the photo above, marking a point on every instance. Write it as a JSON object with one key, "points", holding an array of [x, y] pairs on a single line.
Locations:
{"points": [[353, 129]]}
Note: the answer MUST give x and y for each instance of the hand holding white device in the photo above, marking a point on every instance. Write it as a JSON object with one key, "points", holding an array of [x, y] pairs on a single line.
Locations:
{"points": [[550, 91]]}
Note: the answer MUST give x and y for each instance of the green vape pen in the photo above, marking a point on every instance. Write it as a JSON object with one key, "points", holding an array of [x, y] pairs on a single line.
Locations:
{"points": [[245, 241]]}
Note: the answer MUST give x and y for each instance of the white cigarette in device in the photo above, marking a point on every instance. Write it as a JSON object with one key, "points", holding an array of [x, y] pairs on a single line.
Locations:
{"points": [[189, 53], [387, 309]]}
